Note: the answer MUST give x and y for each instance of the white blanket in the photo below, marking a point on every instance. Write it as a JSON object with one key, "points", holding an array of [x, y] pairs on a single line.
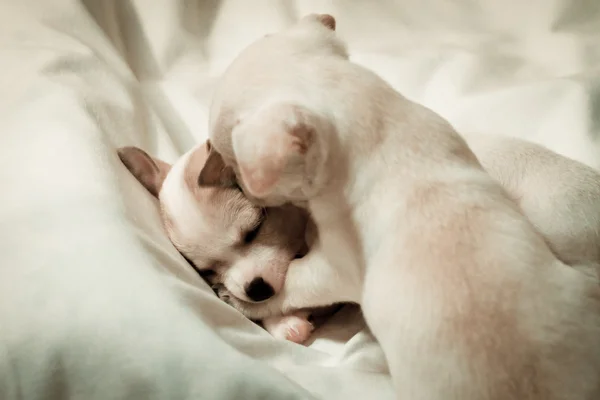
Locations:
{"points": [[95, 303]]}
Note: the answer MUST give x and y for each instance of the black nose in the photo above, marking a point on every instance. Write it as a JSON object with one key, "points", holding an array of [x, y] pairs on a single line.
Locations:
{"points": [[259, 290]]}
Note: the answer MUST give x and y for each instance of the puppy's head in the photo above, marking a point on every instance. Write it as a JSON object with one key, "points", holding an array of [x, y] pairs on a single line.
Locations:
{"points": [[265, 117], [229, 240]]}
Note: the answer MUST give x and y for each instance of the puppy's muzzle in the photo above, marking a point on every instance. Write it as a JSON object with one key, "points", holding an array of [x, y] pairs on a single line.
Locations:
{"points": [[259, 290]]}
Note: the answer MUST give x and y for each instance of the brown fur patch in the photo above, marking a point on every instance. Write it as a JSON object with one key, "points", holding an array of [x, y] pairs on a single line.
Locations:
{"points": [[327, 20], [194, 167], [302, 138], [149, 171], [216, 173]]}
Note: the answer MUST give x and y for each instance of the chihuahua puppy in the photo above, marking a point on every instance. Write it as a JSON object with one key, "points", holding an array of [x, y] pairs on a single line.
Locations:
{"points": [[236, 246], [464, 295], [559, 196]]}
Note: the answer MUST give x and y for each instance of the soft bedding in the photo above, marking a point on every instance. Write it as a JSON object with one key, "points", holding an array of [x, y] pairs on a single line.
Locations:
{"points": [[95, 303]]}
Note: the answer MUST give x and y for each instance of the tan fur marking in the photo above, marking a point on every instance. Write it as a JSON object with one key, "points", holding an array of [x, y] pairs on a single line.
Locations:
{"points": [[327, 20]]}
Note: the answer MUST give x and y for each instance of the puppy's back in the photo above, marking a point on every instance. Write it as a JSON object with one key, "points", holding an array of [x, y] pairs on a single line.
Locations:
{"points": [[493, 315], [560, 196]]}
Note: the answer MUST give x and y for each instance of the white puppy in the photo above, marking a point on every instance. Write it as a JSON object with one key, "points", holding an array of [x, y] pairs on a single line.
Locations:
{"points": [[560, 196], [463, 294]]}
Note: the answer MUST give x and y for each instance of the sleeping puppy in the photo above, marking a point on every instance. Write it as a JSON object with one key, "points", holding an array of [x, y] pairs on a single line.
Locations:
{"points": [[466, 299], [235, 245]]}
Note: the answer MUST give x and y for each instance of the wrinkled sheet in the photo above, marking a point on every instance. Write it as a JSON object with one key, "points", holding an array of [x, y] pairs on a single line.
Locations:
{"points": [[95, 303]]}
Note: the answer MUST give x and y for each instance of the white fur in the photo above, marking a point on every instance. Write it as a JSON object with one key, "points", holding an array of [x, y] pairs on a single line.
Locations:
{"points": [[465, 297], [180, 204]]}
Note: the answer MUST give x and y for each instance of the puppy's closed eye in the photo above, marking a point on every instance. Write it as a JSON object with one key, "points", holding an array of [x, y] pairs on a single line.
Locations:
{"points": [[206, 273], [251, 235]]}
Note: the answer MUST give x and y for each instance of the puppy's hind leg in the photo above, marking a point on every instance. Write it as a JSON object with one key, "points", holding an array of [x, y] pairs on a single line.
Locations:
{"points": [[408, 313], [401, 321]]}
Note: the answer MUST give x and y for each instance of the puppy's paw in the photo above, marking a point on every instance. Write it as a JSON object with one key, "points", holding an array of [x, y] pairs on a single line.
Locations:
{"points": [[222, 293], [294, 327], [252, 311], [228, 298]]}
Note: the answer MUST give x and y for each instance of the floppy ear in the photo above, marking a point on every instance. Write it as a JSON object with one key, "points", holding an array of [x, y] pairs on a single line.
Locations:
{"points": [[215, 173], [150, 172], [270, 142]]}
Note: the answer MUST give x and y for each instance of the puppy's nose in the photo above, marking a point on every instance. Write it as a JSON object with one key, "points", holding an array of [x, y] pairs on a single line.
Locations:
{"points": [[259, 290]]}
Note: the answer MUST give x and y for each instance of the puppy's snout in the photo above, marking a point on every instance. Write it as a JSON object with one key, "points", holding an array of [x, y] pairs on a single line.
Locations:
{"points": [[259, 290]]}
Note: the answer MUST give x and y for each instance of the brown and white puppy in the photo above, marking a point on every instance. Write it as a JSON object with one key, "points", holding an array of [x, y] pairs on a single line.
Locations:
{"points": [[463, 294], [238, 247]]}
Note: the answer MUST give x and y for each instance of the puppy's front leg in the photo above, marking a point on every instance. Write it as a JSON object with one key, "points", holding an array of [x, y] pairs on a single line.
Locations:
{"points": [[294, 327], [313, 281]]}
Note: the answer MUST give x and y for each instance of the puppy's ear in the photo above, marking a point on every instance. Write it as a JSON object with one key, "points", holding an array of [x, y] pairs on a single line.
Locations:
{"points": [[150, 172], [324, 19], [215, 173], [273, 141]]}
